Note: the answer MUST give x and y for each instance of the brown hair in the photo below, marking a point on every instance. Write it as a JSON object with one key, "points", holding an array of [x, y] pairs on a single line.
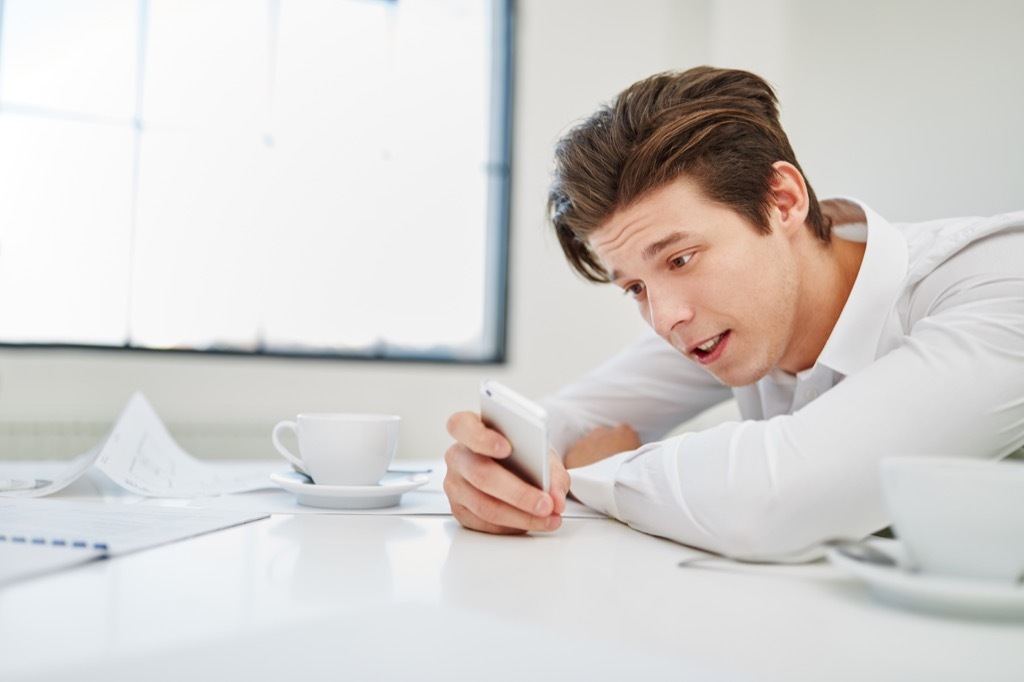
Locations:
{"points": [[719, 127]]}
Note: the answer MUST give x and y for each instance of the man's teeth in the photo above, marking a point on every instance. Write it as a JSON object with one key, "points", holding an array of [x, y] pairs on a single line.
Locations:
{"points": [[709, 345]]}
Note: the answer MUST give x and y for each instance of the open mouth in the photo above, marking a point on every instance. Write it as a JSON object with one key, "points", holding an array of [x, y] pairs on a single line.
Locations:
{"points": [[710, 349]]}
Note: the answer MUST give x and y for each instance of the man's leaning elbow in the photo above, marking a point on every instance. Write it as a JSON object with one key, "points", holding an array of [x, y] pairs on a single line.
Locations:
{"points": [[763, 535]]}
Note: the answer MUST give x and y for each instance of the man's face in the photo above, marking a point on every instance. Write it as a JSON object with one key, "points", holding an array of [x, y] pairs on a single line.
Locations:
{"points": [[721, 293]]}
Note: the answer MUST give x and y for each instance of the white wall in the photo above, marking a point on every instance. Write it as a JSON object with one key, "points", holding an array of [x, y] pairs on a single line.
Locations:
{"points": [[912, 105]]}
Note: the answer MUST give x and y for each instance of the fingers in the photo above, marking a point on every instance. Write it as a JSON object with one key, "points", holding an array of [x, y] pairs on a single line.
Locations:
{"points": [[473, 522], [515, 524], [486, 496], [560, 481], [467, 429], [626, 430]]}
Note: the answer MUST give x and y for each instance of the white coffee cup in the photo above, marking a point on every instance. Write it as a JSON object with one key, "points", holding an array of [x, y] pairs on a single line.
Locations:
{"points": [[341, 448], [958, 517]]}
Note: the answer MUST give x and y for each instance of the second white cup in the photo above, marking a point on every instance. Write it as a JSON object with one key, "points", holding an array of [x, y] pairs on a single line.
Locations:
{"points": [[341, 448], [958, 517]]}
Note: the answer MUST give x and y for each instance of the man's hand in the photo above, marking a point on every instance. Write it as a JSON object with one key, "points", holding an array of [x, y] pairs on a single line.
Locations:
{"points": [[486, 496], [600, 443]]}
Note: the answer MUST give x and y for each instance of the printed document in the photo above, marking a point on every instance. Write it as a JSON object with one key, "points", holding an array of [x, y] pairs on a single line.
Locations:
{"points": [[140, 455], [38, 536]]}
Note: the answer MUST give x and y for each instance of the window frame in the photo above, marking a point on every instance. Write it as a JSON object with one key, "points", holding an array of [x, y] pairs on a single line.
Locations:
{"points": [[494, 338]]}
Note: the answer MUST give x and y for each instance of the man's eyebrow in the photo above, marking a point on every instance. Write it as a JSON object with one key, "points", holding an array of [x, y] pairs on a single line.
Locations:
{"points": [[652, 250]]}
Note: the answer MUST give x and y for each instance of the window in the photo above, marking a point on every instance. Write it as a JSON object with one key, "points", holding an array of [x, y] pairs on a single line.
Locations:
{"points": [[321, 177]]}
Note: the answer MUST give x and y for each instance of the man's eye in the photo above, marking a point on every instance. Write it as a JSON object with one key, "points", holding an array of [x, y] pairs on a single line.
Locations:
{"points": [[680, 261], [635, 290]]}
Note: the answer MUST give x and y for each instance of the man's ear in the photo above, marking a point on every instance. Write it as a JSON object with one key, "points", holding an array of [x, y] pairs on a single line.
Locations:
{"points": [[789, 196]]}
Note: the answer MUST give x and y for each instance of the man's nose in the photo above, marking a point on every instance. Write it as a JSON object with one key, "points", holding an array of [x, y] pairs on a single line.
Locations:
{"points": [[666, 309]]}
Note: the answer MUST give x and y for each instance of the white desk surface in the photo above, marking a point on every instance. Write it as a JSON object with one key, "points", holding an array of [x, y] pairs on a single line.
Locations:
{"points": [[351, 597]]}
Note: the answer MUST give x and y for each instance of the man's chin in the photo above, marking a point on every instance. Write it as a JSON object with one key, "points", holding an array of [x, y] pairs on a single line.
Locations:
{"points": [[719, 370], [731, 379]]}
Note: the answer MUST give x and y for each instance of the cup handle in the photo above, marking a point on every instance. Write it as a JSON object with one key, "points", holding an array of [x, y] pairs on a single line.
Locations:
{"points": [[280, 426]]}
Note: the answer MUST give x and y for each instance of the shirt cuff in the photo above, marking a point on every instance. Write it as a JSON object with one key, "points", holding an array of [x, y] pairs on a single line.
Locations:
{"points": [[594, 484]]}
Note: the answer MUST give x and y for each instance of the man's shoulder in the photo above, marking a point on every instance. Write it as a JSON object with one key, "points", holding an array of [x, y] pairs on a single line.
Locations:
{"points": [[967, 224], [932, 242]]}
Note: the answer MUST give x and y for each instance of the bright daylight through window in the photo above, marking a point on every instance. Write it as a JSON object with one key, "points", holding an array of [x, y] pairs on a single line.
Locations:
{"points": [[324, 177]]}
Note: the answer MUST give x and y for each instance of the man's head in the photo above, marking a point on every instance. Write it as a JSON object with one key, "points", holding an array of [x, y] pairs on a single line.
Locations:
{"points": [[719, 128]]}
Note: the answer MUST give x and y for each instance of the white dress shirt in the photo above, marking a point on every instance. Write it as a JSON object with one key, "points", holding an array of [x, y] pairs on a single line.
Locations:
{"points": [[927, 357]]}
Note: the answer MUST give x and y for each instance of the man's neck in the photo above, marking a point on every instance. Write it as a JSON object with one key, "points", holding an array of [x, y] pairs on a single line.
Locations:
{"points": [[828, 275]]}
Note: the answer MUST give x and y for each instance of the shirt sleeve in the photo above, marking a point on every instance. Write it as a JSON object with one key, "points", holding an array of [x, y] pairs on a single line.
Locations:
{"points": [[649, 386], [769, 489]]}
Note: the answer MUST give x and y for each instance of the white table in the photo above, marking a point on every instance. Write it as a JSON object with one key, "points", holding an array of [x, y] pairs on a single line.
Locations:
{"points": [[311, 596]]}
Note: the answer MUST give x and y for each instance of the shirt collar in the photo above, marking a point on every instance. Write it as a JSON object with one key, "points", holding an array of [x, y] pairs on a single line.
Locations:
{"points": [[854, 340]]}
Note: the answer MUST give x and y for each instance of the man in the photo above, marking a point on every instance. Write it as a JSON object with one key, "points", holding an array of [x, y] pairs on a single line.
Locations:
{"points": [[843, 338]]}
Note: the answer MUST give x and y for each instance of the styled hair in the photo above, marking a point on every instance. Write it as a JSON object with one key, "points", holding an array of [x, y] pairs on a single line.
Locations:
{"points": [[718, 127]]}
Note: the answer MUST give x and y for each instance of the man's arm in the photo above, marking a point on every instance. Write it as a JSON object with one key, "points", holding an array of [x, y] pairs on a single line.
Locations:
{"points": [[764, 489], [649, 385]]}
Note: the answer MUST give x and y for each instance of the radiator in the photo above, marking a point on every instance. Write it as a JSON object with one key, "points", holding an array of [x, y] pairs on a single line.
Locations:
{"points": [[63, 440]]}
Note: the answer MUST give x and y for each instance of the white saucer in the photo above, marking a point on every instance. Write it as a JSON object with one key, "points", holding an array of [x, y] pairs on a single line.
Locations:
{"points": [[933, 593], [387, 493]]}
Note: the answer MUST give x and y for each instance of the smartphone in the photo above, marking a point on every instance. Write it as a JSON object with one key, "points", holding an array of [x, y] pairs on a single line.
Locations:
{"points": [[524, 424]]}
